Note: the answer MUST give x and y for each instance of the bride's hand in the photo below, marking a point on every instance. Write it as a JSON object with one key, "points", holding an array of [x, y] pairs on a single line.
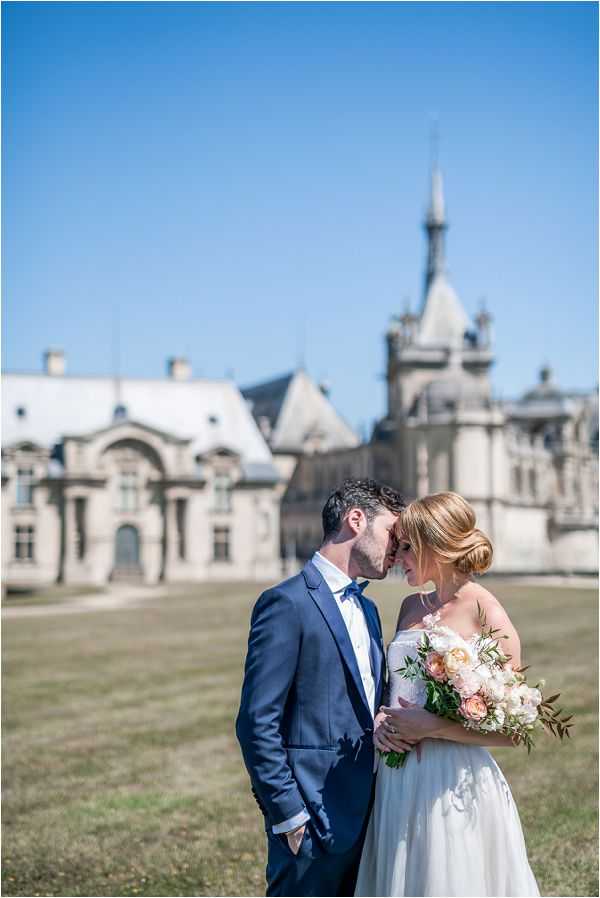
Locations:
{"points": [[385, 739], [409, 722]]}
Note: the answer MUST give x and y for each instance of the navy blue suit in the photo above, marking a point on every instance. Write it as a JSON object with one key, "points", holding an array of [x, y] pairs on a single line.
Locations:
{"points": [[305, 729]]}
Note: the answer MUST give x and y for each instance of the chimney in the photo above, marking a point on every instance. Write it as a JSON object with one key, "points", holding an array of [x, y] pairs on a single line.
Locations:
{"points": [[179, 369], [54, 362]]}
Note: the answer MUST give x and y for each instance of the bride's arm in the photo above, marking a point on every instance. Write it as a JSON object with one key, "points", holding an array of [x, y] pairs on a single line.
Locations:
{"points": [[410, 722], [455, 732]]}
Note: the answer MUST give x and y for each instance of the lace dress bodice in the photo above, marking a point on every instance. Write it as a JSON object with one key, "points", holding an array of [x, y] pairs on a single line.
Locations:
{"points": [[403, 645]]}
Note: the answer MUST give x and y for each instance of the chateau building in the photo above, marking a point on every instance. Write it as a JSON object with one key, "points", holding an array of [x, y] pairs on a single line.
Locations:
{"points": [[528, 467], [149, 480], [182, 479]]}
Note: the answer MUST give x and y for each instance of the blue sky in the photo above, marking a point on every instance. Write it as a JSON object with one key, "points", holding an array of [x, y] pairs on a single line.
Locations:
{"points": [[245, 184]]}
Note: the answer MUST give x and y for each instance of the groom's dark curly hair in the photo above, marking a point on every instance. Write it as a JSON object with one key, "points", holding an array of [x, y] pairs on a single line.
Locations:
{"points": [[368, 495]]}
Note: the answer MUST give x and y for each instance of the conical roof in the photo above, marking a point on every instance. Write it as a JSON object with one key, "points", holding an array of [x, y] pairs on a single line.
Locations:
{"points": [[444, 320]]}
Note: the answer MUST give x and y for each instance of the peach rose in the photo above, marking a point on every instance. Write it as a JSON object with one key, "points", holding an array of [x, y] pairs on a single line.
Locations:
{"points": [[434, 665], [473, 708], [455, 659]]}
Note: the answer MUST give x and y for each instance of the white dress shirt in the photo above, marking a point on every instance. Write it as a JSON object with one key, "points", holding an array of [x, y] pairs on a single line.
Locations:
{"points": [[354, 618]]}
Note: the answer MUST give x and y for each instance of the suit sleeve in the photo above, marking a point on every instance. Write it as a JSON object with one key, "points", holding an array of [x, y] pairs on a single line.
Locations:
{"points": [[273, 649]]}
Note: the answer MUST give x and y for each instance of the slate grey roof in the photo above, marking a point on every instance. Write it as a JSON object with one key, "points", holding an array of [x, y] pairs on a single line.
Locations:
{"points": [[257, 472], [298, 411], [210, 413], [267, 398]]}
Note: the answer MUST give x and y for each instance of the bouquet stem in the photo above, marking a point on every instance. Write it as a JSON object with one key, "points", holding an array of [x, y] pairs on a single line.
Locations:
{"points": [[395, 759]]}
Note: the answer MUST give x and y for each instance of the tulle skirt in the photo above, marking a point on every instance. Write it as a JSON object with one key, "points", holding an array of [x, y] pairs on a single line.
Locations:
{"points": [[447, 826]]}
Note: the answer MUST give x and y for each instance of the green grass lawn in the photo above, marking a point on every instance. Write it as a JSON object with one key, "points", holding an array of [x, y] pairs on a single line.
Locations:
{"points": [[122, 774]]}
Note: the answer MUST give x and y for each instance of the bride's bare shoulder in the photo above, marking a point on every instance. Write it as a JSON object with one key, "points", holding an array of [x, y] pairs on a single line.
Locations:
{"points": [[496, 615], [478, 594], [411, 610]]}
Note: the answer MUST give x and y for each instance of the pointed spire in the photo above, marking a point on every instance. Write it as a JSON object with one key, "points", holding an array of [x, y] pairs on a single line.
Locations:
{"points": [[435, 226], [437, 211], [436, 214]]}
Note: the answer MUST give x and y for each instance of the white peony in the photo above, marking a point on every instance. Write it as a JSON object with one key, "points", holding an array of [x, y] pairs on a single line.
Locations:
{"points": [[485, 672], [466, 682], [527, 713], [535, 696], [508, 675], [512, 700], [494, 688], [443, 640]]}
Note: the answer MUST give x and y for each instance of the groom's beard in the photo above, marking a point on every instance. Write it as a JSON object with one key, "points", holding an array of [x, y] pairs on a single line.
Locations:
{"points": [[372, 560]]}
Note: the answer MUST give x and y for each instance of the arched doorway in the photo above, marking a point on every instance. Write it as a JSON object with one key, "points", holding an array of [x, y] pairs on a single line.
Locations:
{"points": [[127, 552]]}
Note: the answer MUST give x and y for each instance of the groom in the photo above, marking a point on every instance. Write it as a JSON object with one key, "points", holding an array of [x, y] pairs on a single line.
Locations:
{"points": [[314, 677]]}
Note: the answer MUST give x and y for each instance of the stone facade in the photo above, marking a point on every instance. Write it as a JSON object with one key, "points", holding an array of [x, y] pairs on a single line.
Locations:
{"points": [[528, 467], [133, 500], [166, 480]]}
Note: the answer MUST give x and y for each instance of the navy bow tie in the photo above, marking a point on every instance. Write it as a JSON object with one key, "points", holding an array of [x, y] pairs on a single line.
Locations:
{"points": [[355, 589]]}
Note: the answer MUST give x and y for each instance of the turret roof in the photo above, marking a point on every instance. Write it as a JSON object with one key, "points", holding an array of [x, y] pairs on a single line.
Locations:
{"points": [[444, 320]]}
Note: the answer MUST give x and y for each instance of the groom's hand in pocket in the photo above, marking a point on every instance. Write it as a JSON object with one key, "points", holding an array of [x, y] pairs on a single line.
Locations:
{"points": [[295, 838]]}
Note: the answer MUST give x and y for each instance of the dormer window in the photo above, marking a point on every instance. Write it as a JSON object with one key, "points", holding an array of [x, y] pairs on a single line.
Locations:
{"points": [[120, 413]]}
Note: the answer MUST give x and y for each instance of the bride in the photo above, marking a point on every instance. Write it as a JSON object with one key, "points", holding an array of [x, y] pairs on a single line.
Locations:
{"points": [[445, 823]]}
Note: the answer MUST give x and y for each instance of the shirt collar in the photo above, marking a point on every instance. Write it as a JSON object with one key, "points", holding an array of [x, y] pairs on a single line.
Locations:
{"points": [[335, 579]]}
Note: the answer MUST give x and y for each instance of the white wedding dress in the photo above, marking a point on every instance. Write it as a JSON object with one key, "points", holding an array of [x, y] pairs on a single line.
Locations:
{"points": [[445, 826]]}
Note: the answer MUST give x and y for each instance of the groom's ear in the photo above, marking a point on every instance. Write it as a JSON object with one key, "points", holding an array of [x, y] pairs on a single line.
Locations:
{"points": [[356, 520]]}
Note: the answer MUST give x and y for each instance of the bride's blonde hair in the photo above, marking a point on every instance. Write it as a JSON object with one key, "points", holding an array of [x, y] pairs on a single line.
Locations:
{"points": [[443, 524]]}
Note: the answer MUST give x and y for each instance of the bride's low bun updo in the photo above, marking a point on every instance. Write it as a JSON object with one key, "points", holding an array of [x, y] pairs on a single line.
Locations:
{"points": [[443, 524], [478, 558]]}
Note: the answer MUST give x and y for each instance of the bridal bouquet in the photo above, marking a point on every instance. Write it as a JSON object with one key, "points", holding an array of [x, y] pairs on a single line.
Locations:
{"points": [[471, 681]]}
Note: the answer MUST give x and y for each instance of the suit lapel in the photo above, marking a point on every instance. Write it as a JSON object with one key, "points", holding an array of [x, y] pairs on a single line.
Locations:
{"points": [[323, 598], [376, 651]]}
